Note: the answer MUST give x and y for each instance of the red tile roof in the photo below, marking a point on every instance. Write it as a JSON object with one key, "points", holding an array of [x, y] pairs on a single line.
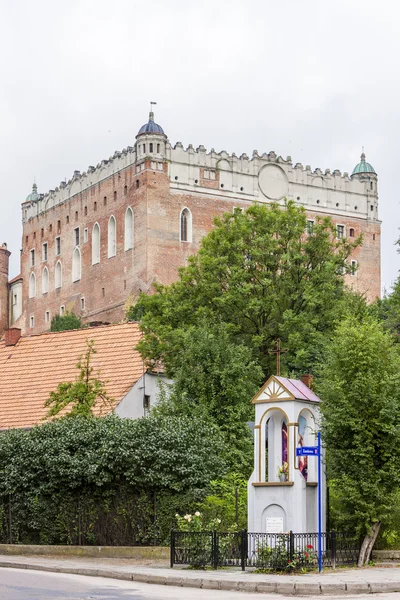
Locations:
{"points": [[34, 367]]}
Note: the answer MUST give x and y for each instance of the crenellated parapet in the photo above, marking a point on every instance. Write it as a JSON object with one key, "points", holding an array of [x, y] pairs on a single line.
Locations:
{"points": [[270, 177], [79, 182], [262, 177]]}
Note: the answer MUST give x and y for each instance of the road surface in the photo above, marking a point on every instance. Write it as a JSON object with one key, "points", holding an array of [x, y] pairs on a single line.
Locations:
{"points": [[21, 584]]}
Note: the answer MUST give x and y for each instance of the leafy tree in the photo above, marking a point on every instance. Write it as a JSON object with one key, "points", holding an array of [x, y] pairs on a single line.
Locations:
{"points": [[215, 378], [65, 322], [359, 384], [387, 310], [260, 273], [81, 395]]}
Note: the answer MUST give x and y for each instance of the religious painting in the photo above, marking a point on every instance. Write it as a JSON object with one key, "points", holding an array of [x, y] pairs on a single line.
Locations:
{"points": [[284, 443], [303, 460]]}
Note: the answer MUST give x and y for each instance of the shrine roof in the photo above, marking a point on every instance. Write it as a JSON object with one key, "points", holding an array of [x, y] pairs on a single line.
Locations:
{"points": [[298, 389]]}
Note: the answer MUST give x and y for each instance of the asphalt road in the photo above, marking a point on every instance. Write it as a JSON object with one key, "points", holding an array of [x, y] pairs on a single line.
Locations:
{"points": [[21, 584]]}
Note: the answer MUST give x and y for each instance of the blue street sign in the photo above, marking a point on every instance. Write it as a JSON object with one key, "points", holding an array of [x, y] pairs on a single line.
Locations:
{"points": [[316, 451], [307, 451]]}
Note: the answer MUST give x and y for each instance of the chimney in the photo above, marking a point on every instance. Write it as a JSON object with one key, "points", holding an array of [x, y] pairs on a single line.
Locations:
{"points": [[4, 256], [12, 336], [307, 380]]}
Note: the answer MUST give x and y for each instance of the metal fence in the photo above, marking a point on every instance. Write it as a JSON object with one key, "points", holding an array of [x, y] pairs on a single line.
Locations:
{"points": [[270, 551]]}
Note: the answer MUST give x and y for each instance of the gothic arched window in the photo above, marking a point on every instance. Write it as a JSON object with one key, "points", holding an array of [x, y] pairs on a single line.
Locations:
{"points": [[32, 285], [112, 237], [58, 276], [96, 244], [128, 229], [76, 265], [186, 226], [45, 281]]}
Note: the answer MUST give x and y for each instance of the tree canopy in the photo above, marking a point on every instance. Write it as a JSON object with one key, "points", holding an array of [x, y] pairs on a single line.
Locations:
{"points": [[260, 273], [359, 384]]}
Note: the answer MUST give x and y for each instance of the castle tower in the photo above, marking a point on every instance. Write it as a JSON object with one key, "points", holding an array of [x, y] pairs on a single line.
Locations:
{"points": [[151, 140], [282, 490], [4, 261]]}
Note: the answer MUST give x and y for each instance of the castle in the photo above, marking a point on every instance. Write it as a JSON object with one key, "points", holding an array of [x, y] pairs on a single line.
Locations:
{"points": [[94, 243]]}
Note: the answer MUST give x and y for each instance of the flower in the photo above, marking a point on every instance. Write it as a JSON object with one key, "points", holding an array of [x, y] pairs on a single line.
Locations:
{"points": [[188, 517], [310, 546], [218, 520], [197, 514], [306, 554], [177, 514]]}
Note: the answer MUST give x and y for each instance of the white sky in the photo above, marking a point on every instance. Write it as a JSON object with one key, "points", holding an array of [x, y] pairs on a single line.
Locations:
{"points": [[313, 79]]}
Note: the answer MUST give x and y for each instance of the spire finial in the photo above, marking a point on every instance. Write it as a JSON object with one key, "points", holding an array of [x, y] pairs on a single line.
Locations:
{"points": [[363, 154], [34, 186], [151, 114]]}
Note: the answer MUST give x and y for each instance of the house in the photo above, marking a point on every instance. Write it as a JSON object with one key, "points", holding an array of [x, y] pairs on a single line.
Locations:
{"points": [[31, 367]]}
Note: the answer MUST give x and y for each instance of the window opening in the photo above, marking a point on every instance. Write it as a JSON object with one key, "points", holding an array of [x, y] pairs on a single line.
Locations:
{"points": [[112, 237], [96, 244]]}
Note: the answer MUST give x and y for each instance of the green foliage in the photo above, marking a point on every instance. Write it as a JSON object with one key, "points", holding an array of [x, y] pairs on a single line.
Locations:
{"points": [[116, 479], [359, 384], [215, 378], [387, 310], [261, 275], [81, 395], [226, 501], [65, 322]]}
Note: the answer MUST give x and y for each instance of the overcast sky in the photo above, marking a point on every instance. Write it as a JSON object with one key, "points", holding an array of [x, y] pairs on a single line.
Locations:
{"points": [[313, 79]]}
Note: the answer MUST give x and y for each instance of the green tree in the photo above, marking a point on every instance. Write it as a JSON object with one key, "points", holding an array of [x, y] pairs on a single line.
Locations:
{"points": [[260, 273], [215, 379], [65, 322], [81, 395], [387, 310], [359, 384]]}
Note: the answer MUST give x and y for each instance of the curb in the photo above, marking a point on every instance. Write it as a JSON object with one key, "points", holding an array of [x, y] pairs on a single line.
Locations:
{"points": [[261, 587]]}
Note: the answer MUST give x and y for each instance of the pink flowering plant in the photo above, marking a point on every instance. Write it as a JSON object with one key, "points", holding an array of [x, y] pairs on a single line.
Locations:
{"points": [[195, 522]]}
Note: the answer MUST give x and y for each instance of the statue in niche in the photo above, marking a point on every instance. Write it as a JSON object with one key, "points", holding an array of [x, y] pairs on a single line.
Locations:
{"points": [[303, 460]]}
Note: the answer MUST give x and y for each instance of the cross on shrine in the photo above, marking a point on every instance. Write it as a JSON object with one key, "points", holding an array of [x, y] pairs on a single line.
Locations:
{"points": [[278, 351]]}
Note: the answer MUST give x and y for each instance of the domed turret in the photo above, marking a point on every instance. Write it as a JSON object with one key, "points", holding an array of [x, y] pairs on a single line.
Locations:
{"points": [[151, 127], [33, 196], [363, 167], [151, 139]]}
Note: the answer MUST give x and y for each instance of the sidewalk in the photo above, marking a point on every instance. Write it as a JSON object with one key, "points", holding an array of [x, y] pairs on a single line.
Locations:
{"points": [[341, 581]]}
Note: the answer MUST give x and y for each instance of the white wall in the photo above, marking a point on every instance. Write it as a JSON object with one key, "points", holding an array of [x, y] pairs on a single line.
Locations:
{"points": [[131, 407]]}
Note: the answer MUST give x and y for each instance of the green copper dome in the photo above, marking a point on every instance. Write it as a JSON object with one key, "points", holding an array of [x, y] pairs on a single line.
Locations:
{"points": [[33, 196], [363, 167]]}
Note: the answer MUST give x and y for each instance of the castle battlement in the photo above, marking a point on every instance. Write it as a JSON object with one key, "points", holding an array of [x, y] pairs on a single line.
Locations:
{"points": [[263, 177]]}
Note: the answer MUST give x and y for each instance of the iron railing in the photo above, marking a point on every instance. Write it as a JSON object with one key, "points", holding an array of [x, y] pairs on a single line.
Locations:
{"points": [[270, 551]]}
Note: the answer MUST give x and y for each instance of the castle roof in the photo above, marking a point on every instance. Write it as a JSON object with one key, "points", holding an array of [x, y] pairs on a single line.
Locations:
{"points": [[151, 127], [363, 167], [33, 196], [35, 366]]}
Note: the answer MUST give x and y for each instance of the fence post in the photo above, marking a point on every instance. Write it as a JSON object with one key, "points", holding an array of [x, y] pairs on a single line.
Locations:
{"points": [[10, 536], [215, 549], [291, 545], [172, 549], [243, 549], [333, 548]]}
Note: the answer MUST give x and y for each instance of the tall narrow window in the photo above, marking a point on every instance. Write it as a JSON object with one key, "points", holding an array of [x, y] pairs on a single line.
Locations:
{"points": [[128, 228], [76, 265], [351, 232], [45, 281], [44, 251], [58, 276], [32, 258], [76, 236], [96, 244], [32, 285], [186, 226], [112, 226], [339, 231], [354, 266], [58, 246]]}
